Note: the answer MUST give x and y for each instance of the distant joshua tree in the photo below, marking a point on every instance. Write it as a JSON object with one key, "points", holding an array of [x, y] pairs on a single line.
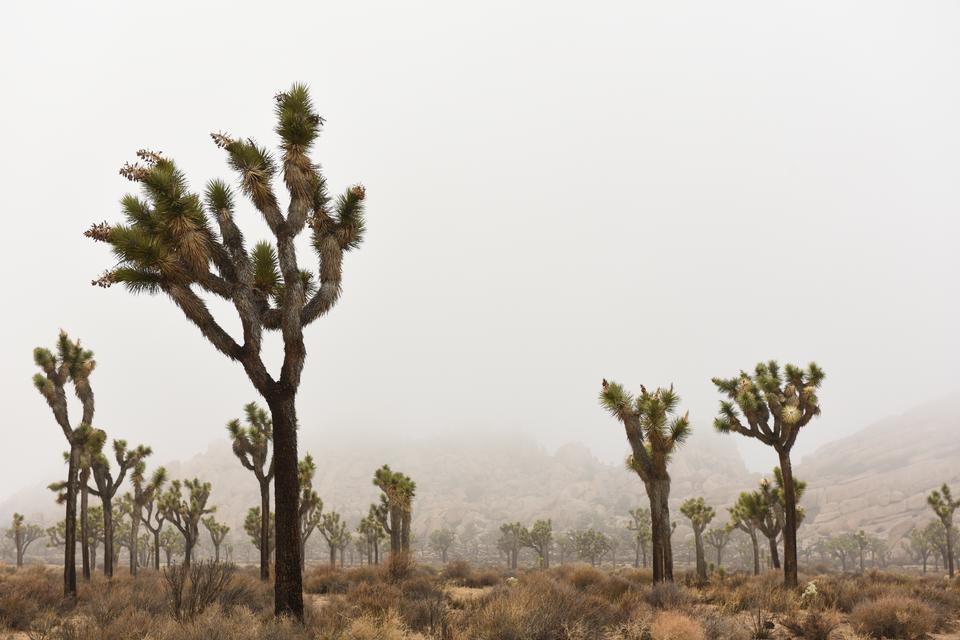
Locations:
{"points": [[218, 533], [539, 537], [592, 545], [311, 506], [718, 538], [172, 544], [396, 506], [251, 445], [440, 541], [921, 544], [842, 547], [640, 524], [72, 364], [334, 531], [253, 529], [700, 515], [56, 535], [144, 499], [654, 433], [775, 407], [510, 542], [744, 515], [186, 512], [23, 535], [944, 505], [108, 485], [168, 245], [372, 531]]}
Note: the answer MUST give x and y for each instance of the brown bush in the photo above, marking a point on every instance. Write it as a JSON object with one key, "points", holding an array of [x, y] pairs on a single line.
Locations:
{"points": [[325, 579], [457, 570], [894, 617], [673, 625], [667, 595], [816, 624]]}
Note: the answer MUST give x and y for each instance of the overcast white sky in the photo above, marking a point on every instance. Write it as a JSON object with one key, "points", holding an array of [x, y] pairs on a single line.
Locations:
{"points": [[652, 192]]}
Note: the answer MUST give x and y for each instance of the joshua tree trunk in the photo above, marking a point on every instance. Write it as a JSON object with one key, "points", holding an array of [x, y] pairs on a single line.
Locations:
{"points": [[93, 555], [719, 557], [659, 492], [333, 556], [265, 529], [70, 527], [774, 553], [790, 520], [756, 552], [405, 531], [84, 500], [156, 550], [134, 540], [288, 590], [701, 560], [107, 536]]}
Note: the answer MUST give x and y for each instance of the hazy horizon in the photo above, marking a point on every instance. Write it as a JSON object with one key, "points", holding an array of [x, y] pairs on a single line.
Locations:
{"points": [[651, 193]]}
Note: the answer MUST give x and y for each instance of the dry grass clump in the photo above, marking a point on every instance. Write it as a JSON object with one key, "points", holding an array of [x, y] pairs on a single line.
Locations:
{"points": [[461, 573], [894, 616], [27, 594], [815, 624], [764, 592], [668, 595], [673, 625]]}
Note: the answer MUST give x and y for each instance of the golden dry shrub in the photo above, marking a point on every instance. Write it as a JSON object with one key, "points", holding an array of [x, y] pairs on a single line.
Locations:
{"points": [[894, 616], [673, 625]]}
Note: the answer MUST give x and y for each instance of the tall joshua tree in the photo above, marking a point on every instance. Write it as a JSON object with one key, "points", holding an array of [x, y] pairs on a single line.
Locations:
{"points": [[186, 512], [944, 505], [251, 445], [144, 498], [396, 506], [23, 535], [311, 506], [372, 531], [511, 541], [700, 515], [333, 530], [218, 533], [72, 364], [654, 433], [108, 485], [641, 527], [718, 538], [168, 245], [773, 408]]}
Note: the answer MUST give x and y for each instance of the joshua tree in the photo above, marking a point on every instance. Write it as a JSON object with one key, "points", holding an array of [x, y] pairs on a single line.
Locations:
{"points": [[72, 364], [396, 506], [921, 544], [372, 531], [108, 485], [863, 542], [718, 538], [775, 408], [168, 245], [311, 506], [186, 512], [641, 526], [539, 538], [842, 548], [654, 433], [23, 535], [440, 541], [95, 535], [591, 545], [510, 542], [944, 506], [343, 543], [56, 535], [334, 531], [700, 515], [251, 445], [218, 533], [144, 501], [743, 516], [251, 525], [172, 544]]}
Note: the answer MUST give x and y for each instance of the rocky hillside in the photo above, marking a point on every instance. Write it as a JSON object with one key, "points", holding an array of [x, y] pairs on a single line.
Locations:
{"points": [[878, 479]]}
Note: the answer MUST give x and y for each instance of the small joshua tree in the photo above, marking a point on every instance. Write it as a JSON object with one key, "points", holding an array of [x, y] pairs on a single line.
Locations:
{"points": [[251, 525], [333, 530], [700, 515], [23, 535], [186, 512], [744, 515], [539, 538], [72, 364], [944, 505], [218, 533], [718, 538], [372, 531], [172, 544], [311, 506], [251, 445], [654, 434], [773, 408], [921, 545], [510, 542], [144, 508], [440, 541], [169, 245], [640, 524], [108, 485], [396, 506]]}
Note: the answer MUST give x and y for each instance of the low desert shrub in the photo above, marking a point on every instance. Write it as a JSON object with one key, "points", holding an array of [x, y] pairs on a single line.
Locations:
{"points": [[668, 595], [673, 625], [894, 617], [325, 579], [814, 624], [192, 589]]}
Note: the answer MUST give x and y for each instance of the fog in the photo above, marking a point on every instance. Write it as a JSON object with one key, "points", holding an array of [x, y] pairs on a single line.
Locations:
{"points": [[653, 193]]}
